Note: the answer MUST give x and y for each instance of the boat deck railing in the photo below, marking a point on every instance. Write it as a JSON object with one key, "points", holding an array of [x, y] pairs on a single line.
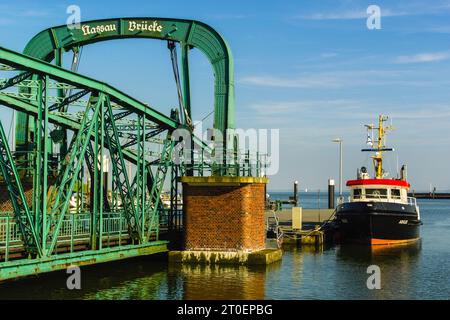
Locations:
{"points": [[412, 201], [409, 200]]}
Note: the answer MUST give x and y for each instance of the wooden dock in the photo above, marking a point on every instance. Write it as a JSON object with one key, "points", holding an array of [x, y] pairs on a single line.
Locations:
{"points": [[308, 231], [303, 237], [308, 215]]}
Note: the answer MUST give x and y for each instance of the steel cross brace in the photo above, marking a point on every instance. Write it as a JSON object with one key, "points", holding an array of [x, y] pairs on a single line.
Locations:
{"points": [[22, 213], [74, 160], [120, 173], [152, 219]]}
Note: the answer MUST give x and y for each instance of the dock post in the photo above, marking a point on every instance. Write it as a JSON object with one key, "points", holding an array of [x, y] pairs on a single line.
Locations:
{"points": [[296, 193], [330, 194]]}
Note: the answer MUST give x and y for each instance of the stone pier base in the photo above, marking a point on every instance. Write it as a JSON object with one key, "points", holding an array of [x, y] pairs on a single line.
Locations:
{"points": [[260, 257]]}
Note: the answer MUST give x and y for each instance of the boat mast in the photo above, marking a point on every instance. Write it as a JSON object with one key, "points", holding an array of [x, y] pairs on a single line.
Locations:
{"points": [[378, 158], [380, 147]]}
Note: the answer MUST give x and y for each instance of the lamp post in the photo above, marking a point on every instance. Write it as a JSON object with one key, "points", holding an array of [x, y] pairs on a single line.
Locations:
{"points": [[340, 141]]}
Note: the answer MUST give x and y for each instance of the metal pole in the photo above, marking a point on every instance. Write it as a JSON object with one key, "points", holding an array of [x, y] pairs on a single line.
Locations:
{"points": [[72, 231], [340, 140], [46, 150], [143, 179], [101, 160], [8, 232], [340, 168], [318, 202]]}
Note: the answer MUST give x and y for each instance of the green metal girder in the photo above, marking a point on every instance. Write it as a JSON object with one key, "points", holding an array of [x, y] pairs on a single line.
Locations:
{"points": [[41, 152], [15, 80], [68, 100], [133, 138], [22, 268], [140, 178]]}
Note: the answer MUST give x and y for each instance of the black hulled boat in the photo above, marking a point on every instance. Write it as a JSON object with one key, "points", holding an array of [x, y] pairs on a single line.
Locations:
{"points": [[378, 210]]}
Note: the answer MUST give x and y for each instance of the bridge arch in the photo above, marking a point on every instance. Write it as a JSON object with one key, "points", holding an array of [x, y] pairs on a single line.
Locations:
{"points": [[49, 45]]}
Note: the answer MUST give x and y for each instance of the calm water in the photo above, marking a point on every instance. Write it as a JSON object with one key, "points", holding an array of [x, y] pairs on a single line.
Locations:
{"points": [[420, 271]]}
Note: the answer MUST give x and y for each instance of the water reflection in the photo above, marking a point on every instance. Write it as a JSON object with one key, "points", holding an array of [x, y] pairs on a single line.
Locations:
{"points": [[221, 282], [130, 279], [398, 266], [143, 288], [308, 272], [147, 280]]}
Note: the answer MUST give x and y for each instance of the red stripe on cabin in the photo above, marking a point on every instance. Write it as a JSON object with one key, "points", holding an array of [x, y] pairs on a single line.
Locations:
{"points": [[390, 182]]}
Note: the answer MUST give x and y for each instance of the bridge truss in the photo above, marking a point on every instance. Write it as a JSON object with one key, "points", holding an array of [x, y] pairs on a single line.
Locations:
{"points": [[44, 223], [62, 211]]}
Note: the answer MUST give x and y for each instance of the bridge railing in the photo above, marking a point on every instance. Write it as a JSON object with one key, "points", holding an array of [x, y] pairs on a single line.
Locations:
{"points": [[24, 160], [74, 227], [243, 163], [9, 232]]}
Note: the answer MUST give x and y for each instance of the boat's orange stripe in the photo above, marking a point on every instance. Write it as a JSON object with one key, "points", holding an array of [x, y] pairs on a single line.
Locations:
{"points": [[387, 241]]}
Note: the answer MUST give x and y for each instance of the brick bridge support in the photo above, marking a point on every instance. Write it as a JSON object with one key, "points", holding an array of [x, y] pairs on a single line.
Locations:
{"points": [[224, 221]]}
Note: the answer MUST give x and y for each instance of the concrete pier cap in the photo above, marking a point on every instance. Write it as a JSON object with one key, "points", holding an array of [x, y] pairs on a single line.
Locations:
{"points": [[212, 181], [224, 221]]}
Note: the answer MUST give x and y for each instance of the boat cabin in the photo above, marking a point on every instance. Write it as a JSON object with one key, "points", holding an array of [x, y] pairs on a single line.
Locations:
{"points": [[386, 190]]}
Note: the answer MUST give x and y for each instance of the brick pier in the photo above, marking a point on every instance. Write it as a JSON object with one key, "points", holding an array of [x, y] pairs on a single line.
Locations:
{"points": [[224, 221]]}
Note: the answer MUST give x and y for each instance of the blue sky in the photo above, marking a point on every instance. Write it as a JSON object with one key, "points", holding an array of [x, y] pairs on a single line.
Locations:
{"points": [[310, 68]]}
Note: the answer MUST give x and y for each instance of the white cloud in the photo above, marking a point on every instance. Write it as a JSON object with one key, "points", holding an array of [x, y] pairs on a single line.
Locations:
{"points": [[301, 82], [412, 9], [13, 16], [340, 79], [345, 15], [227, 16], [424, 57], [352, 15], [440, 29], [34, 13], [6, 22], [289, 107], [327, 55], [419, 113], [350, 110]]}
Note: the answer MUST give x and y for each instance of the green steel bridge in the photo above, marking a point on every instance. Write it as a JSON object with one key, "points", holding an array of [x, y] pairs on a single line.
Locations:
{"points": [[68, 123]]}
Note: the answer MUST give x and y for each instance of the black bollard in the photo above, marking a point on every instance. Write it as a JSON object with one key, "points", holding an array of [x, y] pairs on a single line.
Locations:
{"points": [[296, 193], [330, 194]]}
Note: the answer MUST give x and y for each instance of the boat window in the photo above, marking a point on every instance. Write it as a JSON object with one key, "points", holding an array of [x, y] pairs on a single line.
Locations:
{"points": [[376, 193], [395, 193], [356, 193]]}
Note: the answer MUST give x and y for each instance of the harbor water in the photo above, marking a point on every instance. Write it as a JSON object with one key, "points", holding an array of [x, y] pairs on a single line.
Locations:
{"points": [[418, 271]]}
